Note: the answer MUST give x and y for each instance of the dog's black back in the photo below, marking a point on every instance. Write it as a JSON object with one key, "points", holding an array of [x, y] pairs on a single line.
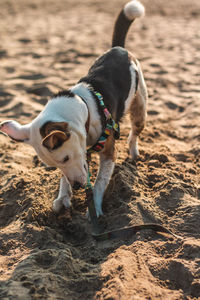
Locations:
{"points": [[110, 76]]}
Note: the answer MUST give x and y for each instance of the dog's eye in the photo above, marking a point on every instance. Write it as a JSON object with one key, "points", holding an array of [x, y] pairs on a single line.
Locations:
{"points": [[66, 158]]}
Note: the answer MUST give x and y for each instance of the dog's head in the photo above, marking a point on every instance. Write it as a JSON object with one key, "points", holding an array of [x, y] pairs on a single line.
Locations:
{"points": [[58, 144]]}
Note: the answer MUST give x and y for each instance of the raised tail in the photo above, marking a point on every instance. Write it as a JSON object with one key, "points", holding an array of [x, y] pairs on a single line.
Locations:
{"points": [[132, 10]]}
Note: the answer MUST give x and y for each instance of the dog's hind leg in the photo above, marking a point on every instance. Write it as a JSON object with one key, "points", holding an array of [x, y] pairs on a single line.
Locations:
{"points": [[137, 114], [107, 158]]}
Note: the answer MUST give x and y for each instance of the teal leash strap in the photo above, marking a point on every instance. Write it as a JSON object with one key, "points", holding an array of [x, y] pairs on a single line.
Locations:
{"points": [[91, 206]]}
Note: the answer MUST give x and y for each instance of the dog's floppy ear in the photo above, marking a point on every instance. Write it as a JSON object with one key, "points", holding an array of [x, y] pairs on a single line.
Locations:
{"points": [[55, 139], [15, 131]]}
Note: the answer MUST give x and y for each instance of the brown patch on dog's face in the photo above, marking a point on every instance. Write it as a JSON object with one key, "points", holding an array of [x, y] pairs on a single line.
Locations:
{"points": [[55, 139], [54, 134], [48, 127]]}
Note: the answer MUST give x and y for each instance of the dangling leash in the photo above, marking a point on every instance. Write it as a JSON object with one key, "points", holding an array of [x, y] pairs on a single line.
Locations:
{"points": [[125, 232]]}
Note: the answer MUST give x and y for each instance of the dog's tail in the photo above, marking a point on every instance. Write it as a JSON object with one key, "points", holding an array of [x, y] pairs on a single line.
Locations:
{"points": [[132, 10]]}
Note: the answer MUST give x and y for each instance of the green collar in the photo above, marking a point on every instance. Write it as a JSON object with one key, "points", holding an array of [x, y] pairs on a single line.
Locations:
{"points": [[111, 125]]}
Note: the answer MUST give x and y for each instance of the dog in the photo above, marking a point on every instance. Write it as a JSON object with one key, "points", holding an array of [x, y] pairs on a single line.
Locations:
{"points": [[74, 120]]}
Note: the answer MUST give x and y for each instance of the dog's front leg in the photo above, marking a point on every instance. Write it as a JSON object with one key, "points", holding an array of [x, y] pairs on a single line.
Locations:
{"points": [[107, 157], [64, 195]]}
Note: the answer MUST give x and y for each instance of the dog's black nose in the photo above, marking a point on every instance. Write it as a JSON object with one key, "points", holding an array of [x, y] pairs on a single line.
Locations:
{"points": [[77, 185]]}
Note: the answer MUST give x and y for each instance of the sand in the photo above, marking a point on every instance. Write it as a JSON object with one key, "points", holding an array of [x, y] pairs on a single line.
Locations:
{"points": [[47, 46]]}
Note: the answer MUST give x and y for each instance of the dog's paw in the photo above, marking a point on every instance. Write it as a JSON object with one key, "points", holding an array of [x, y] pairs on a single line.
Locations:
{"points": [[134, 153], [59, 202], [133, 148]]}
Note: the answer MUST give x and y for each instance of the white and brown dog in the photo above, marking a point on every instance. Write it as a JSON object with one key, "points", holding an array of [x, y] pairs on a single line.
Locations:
{"points": [[73, 120]]}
